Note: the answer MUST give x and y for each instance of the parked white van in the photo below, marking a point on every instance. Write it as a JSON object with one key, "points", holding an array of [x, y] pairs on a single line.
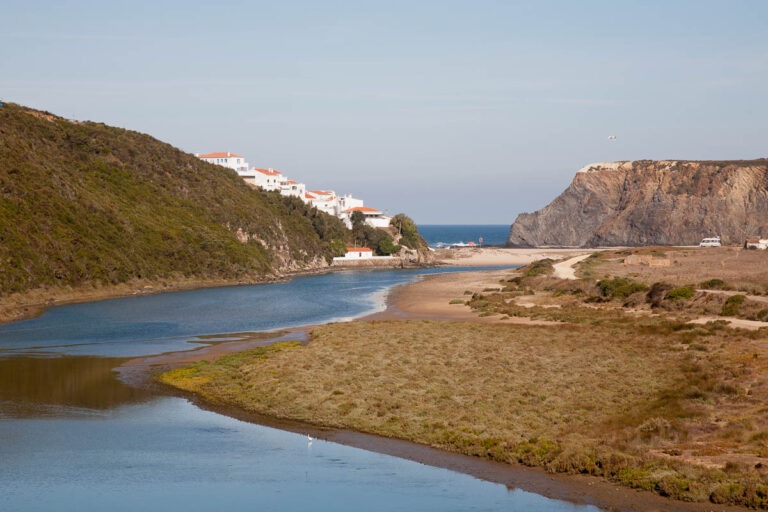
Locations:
{"points": [[710, 242]]}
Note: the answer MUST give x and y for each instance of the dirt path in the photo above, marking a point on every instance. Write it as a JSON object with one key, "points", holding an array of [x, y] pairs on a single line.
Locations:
{"points": [[565, 270], [752, 325], [730, 293]]}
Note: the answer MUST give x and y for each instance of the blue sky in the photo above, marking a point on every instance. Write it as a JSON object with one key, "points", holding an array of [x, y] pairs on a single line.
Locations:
{"points": [[450, 111]]}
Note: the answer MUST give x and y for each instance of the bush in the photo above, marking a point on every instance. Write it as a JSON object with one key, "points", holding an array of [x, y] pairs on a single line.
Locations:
{"points": [[387, 247], [408, 230], [682, 293], [619, 287], [539, 268], [714, 284], [733, 305]]}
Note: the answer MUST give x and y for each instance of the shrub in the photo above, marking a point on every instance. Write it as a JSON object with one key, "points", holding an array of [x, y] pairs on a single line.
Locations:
{"points": [[733, 305], [681, 293], [387, 247], [408, 230], [539, 268], [619, 287], [714, 284]]}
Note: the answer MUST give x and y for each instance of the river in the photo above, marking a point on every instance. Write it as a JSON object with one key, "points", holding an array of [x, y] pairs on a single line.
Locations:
{"points": [[74, 437]]}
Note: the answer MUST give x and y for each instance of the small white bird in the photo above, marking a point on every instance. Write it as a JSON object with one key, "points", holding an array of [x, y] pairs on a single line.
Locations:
{"points": [[611, 137], [310, 439]]}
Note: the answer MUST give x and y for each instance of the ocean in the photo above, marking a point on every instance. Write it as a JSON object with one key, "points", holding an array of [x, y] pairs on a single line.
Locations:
{"points": [[442, 235]]}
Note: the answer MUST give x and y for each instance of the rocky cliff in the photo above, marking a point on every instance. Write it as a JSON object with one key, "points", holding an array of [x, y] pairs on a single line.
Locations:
{"points": [[652, 203]]}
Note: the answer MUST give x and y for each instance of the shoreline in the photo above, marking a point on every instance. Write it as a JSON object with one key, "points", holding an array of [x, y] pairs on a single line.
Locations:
{"points": [[32, 303], [579, 489], [575, 489]]}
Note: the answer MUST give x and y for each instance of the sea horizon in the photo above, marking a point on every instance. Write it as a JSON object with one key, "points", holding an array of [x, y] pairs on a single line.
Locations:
{"points": [[443, 235]]}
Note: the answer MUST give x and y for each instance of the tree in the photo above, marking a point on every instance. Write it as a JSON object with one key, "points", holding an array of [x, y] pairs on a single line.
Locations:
{"points": [[387, 246], [408, 231]]}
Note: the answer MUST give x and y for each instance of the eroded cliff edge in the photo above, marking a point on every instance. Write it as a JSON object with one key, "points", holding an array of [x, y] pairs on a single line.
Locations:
{"points": [[652, 202]]}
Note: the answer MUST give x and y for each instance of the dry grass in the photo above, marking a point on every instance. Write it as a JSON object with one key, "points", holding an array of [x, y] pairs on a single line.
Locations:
{"points": [[634, 403], [624, 387], [745, 270]]}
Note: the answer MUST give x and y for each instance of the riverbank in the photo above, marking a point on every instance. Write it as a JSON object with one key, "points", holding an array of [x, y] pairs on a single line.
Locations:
{"points": [[371, 341], [32, 303], [20, 306]]}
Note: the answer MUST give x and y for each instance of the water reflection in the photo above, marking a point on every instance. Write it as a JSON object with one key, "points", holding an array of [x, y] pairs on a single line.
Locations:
{"points": [[62, 385], [166, 454]]}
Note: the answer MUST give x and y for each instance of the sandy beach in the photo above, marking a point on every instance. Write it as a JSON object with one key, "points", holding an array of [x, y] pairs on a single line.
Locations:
{"points": [[499, 256]]}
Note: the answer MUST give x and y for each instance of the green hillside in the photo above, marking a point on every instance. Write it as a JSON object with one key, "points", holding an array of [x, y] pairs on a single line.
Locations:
{"points": [[85, 203]]}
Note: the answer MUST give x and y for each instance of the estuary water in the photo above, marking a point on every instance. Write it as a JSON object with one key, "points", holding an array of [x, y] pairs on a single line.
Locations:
{"points": [[74, 438]]}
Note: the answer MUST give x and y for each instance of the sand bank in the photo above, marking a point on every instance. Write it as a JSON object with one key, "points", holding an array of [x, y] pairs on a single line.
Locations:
{"points": [[499, 256]]}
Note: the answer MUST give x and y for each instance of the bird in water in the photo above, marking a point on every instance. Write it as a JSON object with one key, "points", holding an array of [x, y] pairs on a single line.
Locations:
{"points": [[611, 137]]}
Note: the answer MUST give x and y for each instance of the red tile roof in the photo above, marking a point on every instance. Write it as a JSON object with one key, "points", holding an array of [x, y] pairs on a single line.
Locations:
{"points": [[359, 249], [363, 209], [224, 154], [268, 172]]}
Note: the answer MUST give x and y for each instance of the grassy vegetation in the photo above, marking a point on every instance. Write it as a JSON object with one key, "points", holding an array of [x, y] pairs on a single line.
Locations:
{"points": [[644, 404], [619, 287], [622, 387], [85, 203], [732, 305], [680, 293]]}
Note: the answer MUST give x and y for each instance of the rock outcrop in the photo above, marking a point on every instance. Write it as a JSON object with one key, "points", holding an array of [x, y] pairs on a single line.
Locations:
{"points": [[646, 202]]}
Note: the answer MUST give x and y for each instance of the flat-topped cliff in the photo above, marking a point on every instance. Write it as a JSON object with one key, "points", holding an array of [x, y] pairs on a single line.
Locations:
{"points": [[652, 202]]}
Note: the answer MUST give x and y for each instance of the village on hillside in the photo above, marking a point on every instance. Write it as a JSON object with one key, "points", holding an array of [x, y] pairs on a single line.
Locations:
{"points": [[324, 200]]}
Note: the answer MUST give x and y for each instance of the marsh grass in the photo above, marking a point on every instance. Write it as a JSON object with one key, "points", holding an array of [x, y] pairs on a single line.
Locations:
{"points": [[601, 398]]}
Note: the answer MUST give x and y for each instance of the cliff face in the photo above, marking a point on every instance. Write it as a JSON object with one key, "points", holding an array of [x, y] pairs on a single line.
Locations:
{"points": [[652, 203]]}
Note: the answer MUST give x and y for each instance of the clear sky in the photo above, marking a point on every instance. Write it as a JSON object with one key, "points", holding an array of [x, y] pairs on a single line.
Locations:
{"points": [[451, 111]]}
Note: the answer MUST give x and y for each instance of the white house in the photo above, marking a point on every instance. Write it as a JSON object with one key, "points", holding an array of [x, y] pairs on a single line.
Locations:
{"points": [[345, 203], [373, 217], [358, 253], [227, 159], [268, 179], [323, 200], [291, 188]]}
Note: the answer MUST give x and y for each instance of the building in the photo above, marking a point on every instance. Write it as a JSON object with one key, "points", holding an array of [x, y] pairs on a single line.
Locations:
{"points": [[323, 200], [358, 253], [227, 159], [345, 203], [268, 179], [373, 217], [292, 188]]}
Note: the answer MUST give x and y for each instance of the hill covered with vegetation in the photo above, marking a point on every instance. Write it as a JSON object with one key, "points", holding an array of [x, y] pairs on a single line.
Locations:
{"points": [[82, 203]]}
